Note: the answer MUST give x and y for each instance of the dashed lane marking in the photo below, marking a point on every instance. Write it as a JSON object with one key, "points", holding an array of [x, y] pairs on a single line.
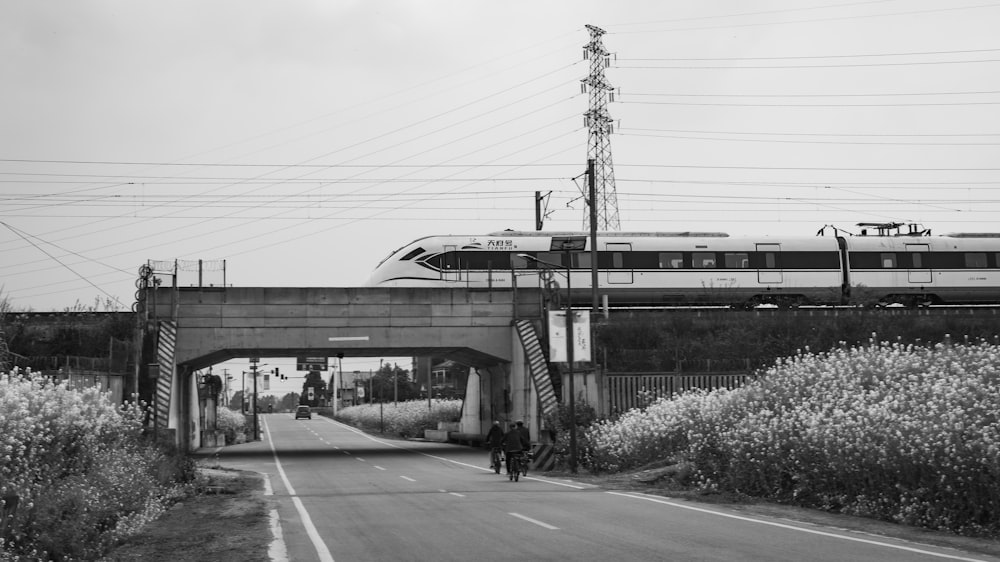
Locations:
{"points": [[535, 521]]}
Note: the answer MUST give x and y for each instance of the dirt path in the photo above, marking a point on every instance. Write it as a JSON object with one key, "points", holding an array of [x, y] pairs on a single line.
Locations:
{"points": [[227, 522]]}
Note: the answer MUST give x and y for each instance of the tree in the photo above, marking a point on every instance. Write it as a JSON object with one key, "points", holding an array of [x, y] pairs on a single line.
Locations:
{"points": [[288, 402], [236, 402], [391, 382], [314, 380]]}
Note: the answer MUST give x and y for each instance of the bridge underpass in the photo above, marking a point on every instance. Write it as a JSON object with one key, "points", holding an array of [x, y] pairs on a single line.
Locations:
{"points": [[492, 331]]}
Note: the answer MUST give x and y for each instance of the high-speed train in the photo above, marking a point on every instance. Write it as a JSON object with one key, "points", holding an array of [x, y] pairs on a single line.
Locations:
{"points": [[704, 268]]}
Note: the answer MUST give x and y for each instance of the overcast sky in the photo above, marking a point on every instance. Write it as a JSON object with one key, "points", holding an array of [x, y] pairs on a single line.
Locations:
{"points": [[303, 141]]}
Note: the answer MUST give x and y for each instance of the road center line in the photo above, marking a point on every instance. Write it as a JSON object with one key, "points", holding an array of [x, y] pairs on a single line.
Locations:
{"points": [[378, 467], [535, 521], [407, 478], [653, 499]]}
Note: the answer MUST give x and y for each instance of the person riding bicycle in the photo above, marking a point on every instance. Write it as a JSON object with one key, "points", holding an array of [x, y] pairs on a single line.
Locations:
{"points": [[526, 436], [514, 443], [494, 439]]}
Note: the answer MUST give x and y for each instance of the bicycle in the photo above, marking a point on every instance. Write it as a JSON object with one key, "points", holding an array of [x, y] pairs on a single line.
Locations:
{"points": [[516, 468], [496, 459]]}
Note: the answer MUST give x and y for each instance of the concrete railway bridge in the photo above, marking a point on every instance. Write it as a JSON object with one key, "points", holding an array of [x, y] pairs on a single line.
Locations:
{"points": [[493, 331]]}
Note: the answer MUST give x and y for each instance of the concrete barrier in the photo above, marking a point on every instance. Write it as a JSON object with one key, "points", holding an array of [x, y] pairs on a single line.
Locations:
{"points": [[439, 435]]}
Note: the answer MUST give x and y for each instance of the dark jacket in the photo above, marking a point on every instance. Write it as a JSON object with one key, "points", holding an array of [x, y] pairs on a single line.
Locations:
{"points": [[526, 435], [514, 442], [494, 437]]}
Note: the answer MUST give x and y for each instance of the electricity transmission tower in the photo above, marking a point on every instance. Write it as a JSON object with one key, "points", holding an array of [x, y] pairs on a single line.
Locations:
{"points": [[600, 127]]}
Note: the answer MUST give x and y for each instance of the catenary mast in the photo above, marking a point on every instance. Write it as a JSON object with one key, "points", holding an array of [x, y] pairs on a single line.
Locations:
{"points": [[600, 128]]}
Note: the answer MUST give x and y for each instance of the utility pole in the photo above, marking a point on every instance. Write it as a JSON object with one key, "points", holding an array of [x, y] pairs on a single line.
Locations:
{"points": [[253, 404], [592, 194], [600, 128]]}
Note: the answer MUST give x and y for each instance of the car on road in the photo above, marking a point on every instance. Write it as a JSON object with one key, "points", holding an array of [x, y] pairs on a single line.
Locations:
{"points": [[303, 412]]}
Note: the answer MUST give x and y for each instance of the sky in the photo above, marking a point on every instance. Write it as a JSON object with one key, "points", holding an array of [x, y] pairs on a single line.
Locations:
{"points": [[302, 142]]}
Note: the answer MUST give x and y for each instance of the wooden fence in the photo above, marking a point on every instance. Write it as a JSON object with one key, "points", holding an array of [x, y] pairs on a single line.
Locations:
{"points": [[625, 391]]}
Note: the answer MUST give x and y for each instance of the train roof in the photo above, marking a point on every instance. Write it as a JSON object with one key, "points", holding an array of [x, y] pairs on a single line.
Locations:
{"points": [[613, 234]]}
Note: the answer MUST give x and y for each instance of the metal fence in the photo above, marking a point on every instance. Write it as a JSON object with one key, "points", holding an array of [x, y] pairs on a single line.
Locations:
{"points": [[625, 391], [107, 374]]}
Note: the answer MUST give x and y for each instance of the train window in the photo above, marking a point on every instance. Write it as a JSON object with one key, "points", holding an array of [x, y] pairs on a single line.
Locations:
{"points": [[918, 260], [737, 260], [703, 260], [553, 258], [888, 260], [412, 254], [518, 262], [770, 260], [581, 260], [671, 260], [617, 260], [484, 260], [975, 260]]}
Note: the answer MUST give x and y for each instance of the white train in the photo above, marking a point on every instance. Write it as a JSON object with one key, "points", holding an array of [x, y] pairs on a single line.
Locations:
{"points": [[691, 268]]}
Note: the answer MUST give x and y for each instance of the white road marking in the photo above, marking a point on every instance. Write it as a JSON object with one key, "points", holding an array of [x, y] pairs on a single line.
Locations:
{"points": [[277, 551], [378, 467], [460, 463], [535, 521], [321, 550], [654, 499], [457, 494], [360, 459], [407, 478]]}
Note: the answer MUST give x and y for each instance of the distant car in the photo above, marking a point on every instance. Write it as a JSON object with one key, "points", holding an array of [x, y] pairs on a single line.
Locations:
{"points": [[303, 412]]}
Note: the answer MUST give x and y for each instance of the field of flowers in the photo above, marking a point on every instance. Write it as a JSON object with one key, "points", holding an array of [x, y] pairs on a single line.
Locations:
{"points": [[902, 433], [405, 419], [76, 474]]}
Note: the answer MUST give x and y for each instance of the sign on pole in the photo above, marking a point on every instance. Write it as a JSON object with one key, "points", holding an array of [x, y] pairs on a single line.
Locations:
{"points": [[557, 336], [311, 364]]}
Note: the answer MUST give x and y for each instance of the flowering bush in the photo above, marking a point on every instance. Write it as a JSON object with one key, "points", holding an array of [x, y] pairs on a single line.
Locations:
{"points": [[83, 475], [232, 423], [405, 419], [903, 433]]}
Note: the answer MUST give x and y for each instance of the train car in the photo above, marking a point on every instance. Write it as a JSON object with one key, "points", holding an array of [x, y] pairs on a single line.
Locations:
{"points": [[925, 270], [703, 268], [684, 268]]}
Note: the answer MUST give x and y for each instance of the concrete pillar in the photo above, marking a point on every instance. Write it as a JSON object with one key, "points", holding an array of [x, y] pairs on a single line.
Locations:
{"points": [[471, 420]]}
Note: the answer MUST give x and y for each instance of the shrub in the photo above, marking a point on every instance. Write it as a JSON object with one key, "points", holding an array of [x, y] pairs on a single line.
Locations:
{"points": [[405, 419], [903, 433], [232, 423], [84, 475]]}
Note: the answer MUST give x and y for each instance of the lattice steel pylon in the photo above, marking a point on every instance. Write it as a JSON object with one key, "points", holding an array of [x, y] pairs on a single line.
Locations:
{"points": [[600, 127]]}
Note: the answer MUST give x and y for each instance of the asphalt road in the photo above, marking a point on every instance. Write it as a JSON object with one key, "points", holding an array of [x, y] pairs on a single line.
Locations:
{"points": [[346, 496]]}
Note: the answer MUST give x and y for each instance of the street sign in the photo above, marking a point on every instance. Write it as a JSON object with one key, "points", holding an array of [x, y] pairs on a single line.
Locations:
{"points": [[311, 364]]}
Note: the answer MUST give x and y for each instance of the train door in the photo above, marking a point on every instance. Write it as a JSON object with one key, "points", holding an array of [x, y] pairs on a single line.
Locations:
{"points": [[618, 272], [450, 270], [769, 268], [918, 270]]}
